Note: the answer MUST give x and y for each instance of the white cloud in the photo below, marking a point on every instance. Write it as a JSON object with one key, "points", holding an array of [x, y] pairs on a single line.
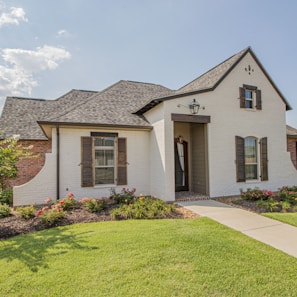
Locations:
{"points": [[14, 17], [62, 33], [17, 76]]}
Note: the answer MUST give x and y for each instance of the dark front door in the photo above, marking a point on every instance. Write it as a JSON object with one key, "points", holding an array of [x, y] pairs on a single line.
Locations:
{"points": [[181, 165]]}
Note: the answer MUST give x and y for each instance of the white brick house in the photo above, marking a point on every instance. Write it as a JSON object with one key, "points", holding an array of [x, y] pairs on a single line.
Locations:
{"points": [[147, 137]]}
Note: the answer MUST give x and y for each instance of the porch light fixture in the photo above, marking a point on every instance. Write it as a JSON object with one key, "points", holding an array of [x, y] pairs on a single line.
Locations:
{"points": [[195, 106]]}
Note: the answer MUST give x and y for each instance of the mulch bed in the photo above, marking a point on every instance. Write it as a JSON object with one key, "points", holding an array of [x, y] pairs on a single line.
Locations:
{"points": [[14, 225], [243, 204]]}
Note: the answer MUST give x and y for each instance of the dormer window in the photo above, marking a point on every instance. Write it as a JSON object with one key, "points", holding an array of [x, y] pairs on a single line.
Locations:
{"points": [[250, 97]]}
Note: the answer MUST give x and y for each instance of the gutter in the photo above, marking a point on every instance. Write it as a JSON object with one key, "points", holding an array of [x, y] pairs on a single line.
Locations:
{"points": [[58, 162]]}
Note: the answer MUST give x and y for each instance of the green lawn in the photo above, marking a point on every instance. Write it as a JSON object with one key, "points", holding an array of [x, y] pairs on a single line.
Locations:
{"points": [[289, 218], [144, 258]]}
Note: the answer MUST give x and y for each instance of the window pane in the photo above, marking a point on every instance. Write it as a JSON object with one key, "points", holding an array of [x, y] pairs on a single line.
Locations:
{"points": [[250, 153], [248, 104], [104, 158], [248, 94], [251, 172], [104, 141], [250, 150], [104, 176]]}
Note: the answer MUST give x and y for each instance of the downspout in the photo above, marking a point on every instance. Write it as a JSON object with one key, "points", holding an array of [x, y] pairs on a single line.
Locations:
{"points": [[58, 161]]}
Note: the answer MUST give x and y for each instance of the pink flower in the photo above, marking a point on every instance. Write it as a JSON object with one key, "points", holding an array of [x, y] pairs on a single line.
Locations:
{"points": [[70, 194], [48, 200]]}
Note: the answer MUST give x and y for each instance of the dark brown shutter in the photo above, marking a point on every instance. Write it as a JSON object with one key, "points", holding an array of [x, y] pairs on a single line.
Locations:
{"points": [[242, 97], [264, 158], [240, 161], [87, 178], [258, 100], [122, 162]]}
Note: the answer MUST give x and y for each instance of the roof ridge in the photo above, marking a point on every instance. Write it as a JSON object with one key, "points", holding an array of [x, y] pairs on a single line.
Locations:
{"points": [[73, 90], [27, 98], [145, 83]]}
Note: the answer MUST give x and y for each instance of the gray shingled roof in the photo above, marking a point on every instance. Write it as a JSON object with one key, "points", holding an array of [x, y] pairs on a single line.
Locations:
{"points": [[112, 106], [121, 104], [211, 78], [20, 115], [291, 131]]}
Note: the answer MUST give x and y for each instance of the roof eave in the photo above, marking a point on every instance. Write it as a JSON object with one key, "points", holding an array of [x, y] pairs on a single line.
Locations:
{"points": [[42, 125]]}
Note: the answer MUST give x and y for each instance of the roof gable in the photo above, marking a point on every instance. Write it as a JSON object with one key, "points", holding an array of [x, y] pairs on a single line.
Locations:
{"points": [[211, 79]]}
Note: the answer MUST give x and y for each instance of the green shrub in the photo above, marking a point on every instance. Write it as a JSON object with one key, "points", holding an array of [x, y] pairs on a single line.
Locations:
{"points": [[270, 204], [50, 215], [256, 194], [4, 210], [93, 205], [126, 196], [144, 208], [6, 196], [285, 206], [26, 212]]}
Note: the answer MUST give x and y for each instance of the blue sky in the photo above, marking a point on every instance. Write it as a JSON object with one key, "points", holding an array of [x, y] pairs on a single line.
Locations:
{"points": [[49, 47]]}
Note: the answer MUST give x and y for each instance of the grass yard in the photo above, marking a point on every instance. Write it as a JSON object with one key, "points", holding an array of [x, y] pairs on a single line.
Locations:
{"points": [[289, 218], [152, 258]]}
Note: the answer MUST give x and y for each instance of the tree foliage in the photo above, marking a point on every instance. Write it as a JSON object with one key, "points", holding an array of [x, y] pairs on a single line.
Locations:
{"points": [[10, 153]]}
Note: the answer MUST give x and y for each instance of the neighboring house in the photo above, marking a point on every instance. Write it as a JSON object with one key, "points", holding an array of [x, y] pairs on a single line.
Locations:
{"points": [[292, 144], [222, 132]]}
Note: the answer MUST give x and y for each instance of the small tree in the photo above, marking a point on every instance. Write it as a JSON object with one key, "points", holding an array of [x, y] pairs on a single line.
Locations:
{"points": [[10, 153]]}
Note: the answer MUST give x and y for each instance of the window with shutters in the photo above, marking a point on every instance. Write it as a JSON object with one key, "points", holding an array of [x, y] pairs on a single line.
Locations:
{"points": [[103, 160], [250, 97], [251, 159]]}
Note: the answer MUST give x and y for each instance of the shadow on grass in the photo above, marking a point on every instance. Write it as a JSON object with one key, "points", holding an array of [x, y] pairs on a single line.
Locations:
{"points": [[33, 249]]}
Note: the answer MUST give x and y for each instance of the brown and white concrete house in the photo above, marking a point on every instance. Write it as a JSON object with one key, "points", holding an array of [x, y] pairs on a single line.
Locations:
{"points": [[222, 132]]}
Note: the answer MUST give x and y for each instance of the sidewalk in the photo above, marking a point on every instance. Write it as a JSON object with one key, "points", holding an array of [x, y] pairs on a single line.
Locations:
{"points": [[274, 233]]}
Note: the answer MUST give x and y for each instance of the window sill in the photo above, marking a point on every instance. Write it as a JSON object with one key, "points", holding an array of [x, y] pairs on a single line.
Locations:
{"points": [[105, 186], [253, 181]]}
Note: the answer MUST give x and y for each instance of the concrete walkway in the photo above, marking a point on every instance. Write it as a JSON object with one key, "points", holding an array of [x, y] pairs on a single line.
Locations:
{"points": [[274, 233]]}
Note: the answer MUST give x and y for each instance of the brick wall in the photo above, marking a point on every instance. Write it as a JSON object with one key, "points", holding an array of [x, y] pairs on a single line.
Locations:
{"points": [[291, 147], [28, 168]]}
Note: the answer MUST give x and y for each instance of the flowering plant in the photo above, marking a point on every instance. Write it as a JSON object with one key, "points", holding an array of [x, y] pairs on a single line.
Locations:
{"points": [[126, 195], [288, 194], [93, 205], [68, 203], [50, 214], [256, 194]]}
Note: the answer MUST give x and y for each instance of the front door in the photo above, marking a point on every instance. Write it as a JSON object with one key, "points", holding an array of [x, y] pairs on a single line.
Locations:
{"points": [[181, 165]]}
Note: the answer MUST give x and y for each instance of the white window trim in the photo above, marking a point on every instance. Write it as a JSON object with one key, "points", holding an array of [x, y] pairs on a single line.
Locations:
{"points": [[114, 147]]}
